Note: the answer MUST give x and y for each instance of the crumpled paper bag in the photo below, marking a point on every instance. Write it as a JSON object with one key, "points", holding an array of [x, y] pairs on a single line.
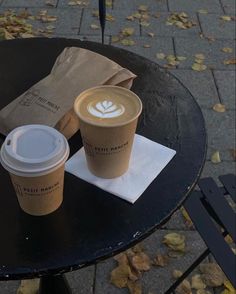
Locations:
{"points": [[50, 101]]}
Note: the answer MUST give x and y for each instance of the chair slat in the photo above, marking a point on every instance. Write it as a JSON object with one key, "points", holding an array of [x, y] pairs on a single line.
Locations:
{"points": [[211, 235], [220, 205], [229, 182]]}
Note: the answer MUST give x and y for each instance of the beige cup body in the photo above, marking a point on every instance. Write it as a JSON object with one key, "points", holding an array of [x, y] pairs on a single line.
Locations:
{"points": [[40, 195], [108, 149]]}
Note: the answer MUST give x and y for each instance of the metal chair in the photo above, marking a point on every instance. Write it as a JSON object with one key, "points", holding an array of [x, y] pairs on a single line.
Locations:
{"points": [[214, 218]]}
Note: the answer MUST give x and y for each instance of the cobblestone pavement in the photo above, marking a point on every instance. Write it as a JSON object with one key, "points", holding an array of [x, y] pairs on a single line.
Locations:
{"points": [[208, 35]]}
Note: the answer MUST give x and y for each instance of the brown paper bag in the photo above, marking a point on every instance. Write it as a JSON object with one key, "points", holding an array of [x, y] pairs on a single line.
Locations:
{"points": [[50, 101]]}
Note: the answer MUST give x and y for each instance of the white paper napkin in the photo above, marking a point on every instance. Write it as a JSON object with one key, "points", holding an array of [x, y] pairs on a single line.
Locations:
{"points": [[148, 158]]}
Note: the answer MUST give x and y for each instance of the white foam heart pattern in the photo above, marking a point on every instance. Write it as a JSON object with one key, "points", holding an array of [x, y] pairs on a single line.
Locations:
{"points": [[106, 109]]}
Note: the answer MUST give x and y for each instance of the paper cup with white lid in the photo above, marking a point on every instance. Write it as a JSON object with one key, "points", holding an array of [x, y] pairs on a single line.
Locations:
{"points": [[35, 156]]}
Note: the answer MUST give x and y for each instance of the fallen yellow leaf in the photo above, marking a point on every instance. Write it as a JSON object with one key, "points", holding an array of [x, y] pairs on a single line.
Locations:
{"points": [[203, 11], [134, 287], [94, 26], [218, 107], [200, 56], [127, 31], [184, 288], [199, 67], [197, 283], [127, 42], [226, 18], [160, 56], [161, 260], [177, 274], [28, 287], [151, 34], [141, 262], [120, 276], [175, 241], [230, 61], [215, 157], [227, 50], [212, 274]]}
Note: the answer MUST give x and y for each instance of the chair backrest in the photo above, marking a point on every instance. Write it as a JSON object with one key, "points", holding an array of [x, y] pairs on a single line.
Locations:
{"points": [[214, 218]]}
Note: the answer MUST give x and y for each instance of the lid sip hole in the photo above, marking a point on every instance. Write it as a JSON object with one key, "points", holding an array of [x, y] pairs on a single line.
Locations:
{"points": [[8, 142]]}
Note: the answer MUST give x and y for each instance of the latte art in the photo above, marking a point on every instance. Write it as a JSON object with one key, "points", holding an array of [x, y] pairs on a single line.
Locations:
{"points": [[105, 109]]}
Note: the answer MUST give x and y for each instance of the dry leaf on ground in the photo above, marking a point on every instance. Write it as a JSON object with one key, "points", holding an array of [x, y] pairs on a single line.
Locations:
{"points": [[150, 34], [160, 56], [94, 26], [127, 32], [28, 287], [215, 157], [197, 282], [120, 275], [51, 3], [141, 262], [134, 287], [177, 274], [180, 20], [161, 260], [219, 107], [212, 274], [227, 50], [199, 67], [127, 42], [186, 216], [230, 61], [175, 241], [225, 18], [146, 46], [184, 288]]}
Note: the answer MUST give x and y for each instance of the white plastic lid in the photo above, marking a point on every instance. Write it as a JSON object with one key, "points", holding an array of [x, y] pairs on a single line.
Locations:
{"points": [[33, 150]]}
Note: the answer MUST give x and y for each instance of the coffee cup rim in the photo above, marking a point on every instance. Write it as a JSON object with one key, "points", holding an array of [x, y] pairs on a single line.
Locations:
{"points": [[76, 102], [18, 166]]}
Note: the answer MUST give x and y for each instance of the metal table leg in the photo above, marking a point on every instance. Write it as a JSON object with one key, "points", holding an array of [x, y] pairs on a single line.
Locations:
{"points": [[54, 284]]}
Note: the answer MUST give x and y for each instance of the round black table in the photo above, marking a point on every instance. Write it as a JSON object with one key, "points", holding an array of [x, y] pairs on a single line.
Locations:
{"points": [[92, 224]]}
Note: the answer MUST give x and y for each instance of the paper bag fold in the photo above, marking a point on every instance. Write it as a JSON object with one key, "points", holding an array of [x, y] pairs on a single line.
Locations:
{"points": [[50, 101]]}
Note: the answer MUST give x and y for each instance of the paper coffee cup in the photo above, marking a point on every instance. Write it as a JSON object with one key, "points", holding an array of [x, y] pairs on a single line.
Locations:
{"points": [[34, 156], [108, 118]]}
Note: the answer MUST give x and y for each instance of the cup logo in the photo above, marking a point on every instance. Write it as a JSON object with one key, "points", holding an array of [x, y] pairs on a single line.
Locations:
{"points": [[106, 109]]}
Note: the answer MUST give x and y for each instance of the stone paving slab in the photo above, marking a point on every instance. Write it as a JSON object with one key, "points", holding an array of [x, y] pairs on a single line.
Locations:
{"points": [[9, 287], [153, 6], [225, 81], [81, 281], [158, 279], [221, 132], [200, 84], [215, 170], [229, 6], [157, 45], [214, 57], [112, 27], [25, 3], [195, 5], [159, 27], [212, 25]]}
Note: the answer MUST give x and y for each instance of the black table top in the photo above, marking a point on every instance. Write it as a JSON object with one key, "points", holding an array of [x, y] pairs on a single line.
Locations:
{"points": [[92, 224]]}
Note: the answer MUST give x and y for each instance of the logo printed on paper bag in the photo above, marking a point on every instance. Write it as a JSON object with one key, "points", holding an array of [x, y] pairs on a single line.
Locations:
{"points": [[106, 109]]}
